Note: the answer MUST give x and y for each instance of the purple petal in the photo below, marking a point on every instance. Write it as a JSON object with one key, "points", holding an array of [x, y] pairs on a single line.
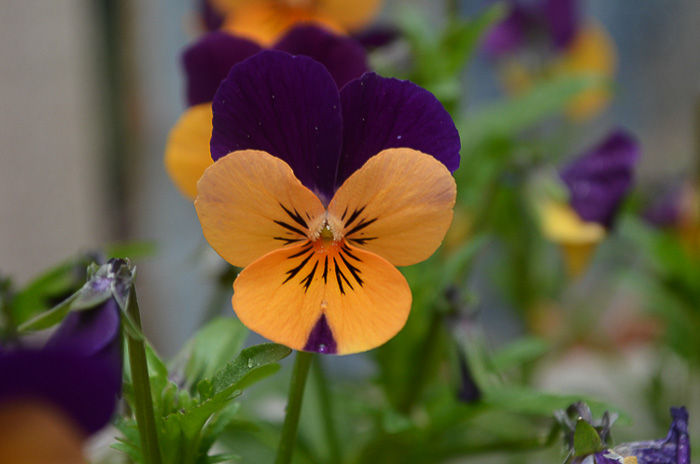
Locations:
{"points": [[211, 17], [674, 449], [342, 56], [90, 332], [284, 105], [598, 180], [321, 338], [380, 113], [562, 19], [84, 388], [208, 61], [377, 36], [508, 35]]}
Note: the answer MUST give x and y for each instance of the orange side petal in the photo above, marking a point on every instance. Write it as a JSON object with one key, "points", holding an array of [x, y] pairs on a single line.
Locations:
{"points": [[328, 298], [398, 205], [352, 15], [250, 203], [187, 152], [266, 21]]}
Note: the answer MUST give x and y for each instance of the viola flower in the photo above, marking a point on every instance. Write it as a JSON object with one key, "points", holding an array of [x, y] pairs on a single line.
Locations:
{"points": [[597, 182], [319, 193], [556, 31], [209, 61]]}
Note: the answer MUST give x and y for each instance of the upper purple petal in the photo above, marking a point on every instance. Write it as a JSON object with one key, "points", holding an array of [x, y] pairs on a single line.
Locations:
{"points": [[90, 332], [598, 180], [562, 20], [376, 36], [287, 106], [342, 56], [674, 449], [380, 113], [84, 388], [208, 61], [211, 17], [508, 35]]}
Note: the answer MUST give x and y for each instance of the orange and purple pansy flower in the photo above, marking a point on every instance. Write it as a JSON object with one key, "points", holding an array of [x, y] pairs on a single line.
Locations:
{"points": [[320, 193], [208, 61]]}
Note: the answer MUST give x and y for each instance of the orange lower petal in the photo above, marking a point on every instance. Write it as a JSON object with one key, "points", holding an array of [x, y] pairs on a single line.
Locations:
{"points": [[323, 297], [250, 203], [398, 205], [187, 152], [37, 433]]}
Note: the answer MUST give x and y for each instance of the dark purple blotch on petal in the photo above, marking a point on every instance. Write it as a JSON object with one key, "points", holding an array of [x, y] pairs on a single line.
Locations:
{"points": [[599, 179], [208, 61], [287, 106], [84, 388], [561, 19], [674, 449], [321, 338], [342, 56], [381, 113]]}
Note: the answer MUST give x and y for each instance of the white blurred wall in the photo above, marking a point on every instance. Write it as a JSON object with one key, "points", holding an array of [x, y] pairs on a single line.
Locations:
{"points": [[51, 205]]}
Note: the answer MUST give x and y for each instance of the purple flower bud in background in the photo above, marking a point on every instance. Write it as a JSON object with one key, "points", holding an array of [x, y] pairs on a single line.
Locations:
{"points": [[599, 179]]}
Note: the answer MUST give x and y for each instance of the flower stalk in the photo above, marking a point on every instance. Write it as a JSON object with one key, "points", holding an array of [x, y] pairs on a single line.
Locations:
{"points": [[291, 419], [143, 401]]}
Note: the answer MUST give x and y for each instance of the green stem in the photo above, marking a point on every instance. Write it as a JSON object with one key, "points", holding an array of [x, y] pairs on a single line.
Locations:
{"points": [[296, 395], [324, 397], [143, 402]]}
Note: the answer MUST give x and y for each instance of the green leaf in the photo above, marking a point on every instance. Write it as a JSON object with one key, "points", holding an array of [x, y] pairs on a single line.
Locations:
{"points": [[586, 439], [249, 360], [212, 347], [204, 419], [521, 351], [527, 401], [510, 117], [49, 318]]}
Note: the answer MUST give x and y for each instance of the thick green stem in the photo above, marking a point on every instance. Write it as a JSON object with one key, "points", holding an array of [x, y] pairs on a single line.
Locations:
{"points": [[324, 397], [291, 419], [143, 402]]}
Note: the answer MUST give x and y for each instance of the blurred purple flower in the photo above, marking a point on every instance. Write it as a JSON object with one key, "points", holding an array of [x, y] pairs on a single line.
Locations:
{"points": [[555, 22], [79, 369], [599, 179]]}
